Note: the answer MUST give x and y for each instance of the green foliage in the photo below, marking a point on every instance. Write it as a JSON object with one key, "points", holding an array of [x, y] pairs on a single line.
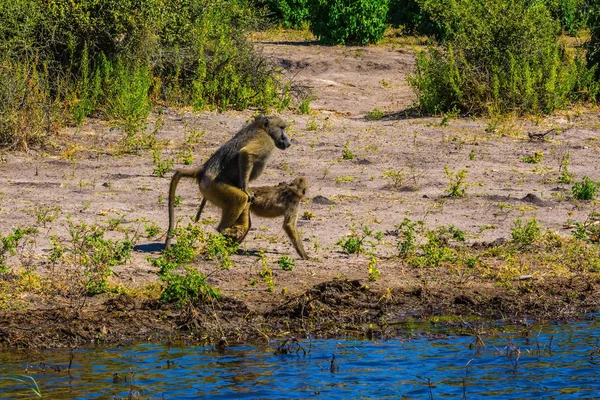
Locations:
{"points": [[396, 176], [186, 156], [407, 236], [304, 107], [266, 274], [10, 242], [219, 248], [593, 45], [286, 263], [151, 229], [589, 230], [565, 175], [178, 201], [503, 54], [44, 214], [374, 115], [191, 286], [412, 18], [87, 248], [183, 251], [457, 185], [347, 154], [28, 112], [291, 13], [570, 13], [348, 21], [65, 59], [586, 189], [536, 158], [186, 288], [436, 251], [374, 273], [525, 235], [126, 91], [354, 242], [161, 167]]}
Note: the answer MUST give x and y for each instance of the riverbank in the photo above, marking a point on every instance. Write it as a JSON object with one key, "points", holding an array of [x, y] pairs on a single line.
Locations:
{"points": [[459, 220]]}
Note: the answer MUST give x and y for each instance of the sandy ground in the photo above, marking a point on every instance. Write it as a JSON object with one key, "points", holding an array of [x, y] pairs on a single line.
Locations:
{"points": [[87, 177]]}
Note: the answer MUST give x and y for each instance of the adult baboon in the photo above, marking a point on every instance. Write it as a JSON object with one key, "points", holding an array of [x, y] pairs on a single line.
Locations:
{"points": [[271, 202], [223, 179]]}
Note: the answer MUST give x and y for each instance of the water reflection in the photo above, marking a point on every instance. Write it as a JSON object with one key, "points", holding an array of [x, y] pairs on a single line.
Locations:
{"points": [[555, 362]]}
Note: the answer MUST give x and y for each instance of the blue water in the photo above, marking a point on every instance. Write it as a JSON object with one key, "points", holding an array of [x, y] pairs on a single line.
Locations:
{"points": [[556, 362]]}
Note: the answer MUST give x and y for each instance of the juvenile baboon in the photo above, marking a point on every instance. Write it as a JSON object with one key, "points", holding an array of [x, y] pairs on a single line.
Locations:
{"points": [[271, 202], [223, 179]]}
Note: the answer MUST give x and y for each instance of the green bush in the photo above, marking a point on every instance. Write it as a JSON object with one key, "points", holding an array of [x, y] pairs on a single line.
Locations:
{"points": [[187, 288], [64, 59], [348, 21], [191, 286], [570, 13], [410, 15], [10, 242], [525, 235], [593, 46], [503, 54], [586, 189], [291, 13]]}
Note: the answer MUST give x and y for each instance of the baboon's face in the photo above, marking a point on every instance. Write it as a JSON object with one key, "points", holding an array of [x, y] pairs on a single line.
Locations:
{"points": [[276, 128], [300, 185]]}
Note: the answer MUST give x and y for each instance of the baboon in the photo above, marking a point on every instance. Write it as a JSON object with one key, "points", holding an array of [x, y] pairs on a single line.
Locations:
{"points": [[223, 179], [271, 202]]}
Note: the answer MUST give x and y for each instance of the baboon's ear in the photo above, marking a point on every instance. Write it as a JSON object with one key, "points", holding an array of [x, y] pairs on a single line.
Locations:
{"points": [[265, 121]]}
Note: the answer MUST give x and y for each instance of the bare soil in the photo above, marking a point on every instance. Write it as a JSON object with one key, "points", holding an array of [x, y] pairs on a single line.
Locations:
{"points": [[92, 181]]}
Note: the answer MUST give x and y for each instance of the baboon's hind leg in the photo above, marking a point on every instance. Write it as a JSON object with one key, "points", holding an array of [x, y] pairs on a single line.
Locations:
{"points": [[240, 228], [233, 203]]}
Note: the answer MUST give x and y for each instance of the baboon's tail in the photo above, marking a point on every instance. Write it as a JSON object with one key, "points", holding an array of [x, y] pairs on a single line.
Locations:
{"points": [[200, 209], [192, 173]]}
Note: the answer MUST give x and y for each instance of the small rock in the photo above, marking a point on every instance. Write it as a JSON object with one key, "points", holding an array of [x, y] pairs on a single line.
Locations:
{"points": [[533, 199], [322, 200]]}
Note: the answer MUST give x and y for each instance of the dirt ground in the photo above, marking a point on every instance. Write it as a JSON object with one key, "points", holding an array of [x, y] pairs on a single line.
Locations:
{"points": [[330, 294]]}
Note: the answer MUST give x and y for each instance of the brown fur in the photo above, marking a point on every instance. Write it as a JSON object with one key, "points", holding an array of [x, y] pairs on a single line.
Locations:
{"points": [[223, 179], [271, 202]]}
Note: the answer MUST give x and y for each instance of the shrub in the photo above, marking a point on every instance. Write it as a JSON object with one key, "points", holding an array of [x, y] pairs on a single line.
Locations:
{"points": [[292, 13], [28, 114], [89, 250], [593, 46], [570, 13], [191, 286], [374, 115], [10, 242], [503, 54], [536, 158], [354, 242], [457, 184], [286, 263], [410, 15], [525, 235], [586, 189], [64, 59], [589, 230], [348, 21]]}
